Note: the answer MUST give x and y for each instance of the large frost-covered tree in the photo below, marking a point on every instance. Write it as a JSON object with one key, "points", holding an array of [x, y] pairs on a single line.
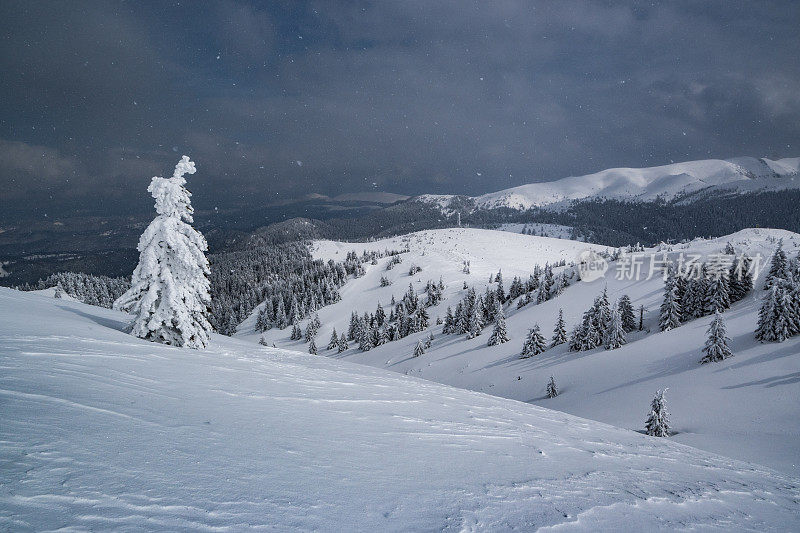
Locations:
{"points": [[169, 294]]}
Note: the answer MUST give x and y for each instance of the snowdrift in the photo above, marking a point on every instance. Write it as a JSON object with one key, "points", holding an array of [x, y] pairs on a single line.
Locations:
{"points": [[105, 431]]}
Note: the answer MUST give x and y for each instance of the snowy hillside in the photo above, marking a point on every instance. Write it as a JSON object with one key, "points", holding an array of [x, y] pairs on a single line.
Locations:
{"points": [[667, 182], [105, 431], [745, 407]]}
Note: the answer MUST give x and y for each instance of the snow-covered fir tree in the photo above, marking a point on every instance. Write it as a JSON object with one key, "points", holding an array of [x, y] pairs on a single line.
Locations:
{"points": [[429, 342], [778, 267], [670, 316], [576, 338], [501, 294], [534, 343], [311, 330], [552, 390], [500, 332], [312, 347], [717, 343], [559, 331], [718, 299], [626, 313], [614, 335], [657, 423], [365, 338], [169, 295], [352, 330], [449, 321], [775, 316], [419, 349], [342, 346], [333, 343]]}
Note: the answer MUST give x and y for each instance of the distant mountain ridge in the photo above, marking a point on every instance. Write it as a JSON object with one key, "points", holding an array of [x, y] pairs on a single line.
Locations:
{"points": [[667, 182]]}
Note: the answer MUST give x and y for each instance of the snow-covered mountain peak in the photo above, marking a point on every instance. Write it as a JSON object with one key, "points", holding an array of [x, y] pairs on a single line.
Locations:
{"points": [[645, 184]]}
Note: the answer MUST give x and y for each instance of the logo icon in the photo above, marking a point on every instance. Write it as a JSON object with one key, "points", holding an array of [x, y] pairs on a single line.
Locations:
{"points": [[591, 265]]}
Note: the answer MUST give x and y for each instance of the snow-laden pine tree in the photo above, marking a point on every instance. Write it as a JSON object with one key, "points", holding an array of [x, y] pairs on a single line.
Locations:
{"points": [[559, 331], [534, 343], [626, 313], [657, 424], [778, 267], [576, 338], [449, 320], [670, 316], [775, 315], [614, 335], [718, 298], [500, 332], [296, 334], [169, 294], [592, 337], [419, 349], [552, 390], [352, 330], [365, 343], [475, 322], [312, 347], [334, 341], [716, 348], [342, 346]]}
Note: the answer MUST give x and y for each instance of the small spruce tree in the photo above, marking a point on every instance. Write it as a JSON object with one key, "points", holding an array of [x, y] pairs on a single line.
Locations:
{"points": [[670, 316], [419, 349], [626, 313], [614, 335], [559, 331], [334, 342], [500, 333], [534, 343], [716, 348], [657, 424], [552, 390]]}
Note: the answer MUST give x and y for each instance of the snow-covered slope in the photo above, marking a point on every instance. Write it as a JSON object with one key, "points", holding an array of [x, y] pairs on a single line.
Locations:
{"points": [[745, 407], [644, 184], [104, 431], [440, 253]]}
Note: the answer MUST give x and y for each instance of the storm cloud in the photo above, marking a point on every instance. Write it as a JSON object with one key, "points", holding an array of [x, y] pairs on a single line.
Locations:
{"points": [[276, 100]]}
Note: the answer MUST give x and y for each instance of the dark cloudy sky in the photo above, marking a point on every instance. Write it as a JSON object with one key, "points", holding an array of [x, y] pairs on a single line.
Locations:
{"points": [[278, 99]]}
